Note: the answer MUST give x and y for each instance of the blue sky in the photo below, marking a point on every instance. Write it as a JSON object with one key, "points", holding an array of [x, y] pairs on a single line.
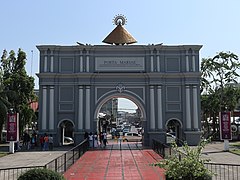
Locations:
{"points": [[215, 24]]}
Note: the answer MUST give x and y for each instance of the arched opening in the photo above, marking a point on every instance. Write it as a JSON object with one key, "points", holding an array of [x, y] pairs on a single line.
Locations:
{"points": [[66, 132], [118, 116], [173, 127]]}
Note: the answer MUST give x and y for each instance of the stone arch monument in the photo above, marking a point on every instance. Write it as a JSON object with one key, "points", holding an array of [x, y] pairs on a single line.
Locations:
{"points": [[164, 81]]}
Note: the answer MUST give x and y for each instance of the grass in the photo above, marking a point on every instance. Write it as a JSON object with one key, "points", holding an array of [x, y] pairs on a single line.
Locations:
{"points": [[235, 144], [236, 149], [3, 154]]}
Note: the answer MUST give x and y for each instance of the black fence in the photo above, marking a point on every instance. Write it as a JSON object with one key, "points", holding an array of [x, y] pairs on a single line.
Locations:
{"points": [[60, 164], [14, 173], [220, 171], [224, 171]]}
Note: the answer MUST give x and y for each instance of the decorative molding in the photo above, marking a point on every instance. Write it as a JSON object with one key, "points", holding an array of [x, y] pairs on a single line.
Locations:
{"points": [[120, 87]]}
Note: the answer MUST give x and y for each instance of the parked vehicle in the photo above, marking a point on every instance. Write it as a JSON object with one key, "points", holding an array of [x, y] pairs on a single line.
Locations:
{"points": [[126, 130], [132, 137]]}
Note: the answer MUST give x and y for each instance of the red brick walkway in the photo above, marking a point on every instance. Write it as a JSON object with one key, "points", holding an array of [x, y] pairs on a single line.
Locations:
{"points": [[117, 163]]}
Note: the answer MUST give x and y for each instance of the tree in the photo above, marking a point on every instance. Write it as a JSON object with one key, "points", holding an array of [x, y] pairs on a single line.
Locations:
{"points": [[219, 71], [4, 105], [218, 86], [18, 85]]}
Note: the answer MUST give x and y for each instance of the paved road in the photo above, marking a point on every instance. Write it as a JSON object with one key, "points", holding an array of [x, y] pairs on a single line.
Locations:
{"points": [[215, 152], [34, 157]]}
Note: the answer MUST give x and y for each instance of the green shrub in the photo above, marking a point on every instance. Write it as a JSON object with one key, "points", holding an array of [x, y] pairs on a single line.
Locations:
{"points": [[190, 166], [41, 174]]}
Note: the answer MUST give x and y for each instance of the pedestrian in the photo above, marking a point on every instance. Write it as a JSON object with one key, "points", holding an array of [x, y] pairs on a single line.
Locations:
{"points": [[33, 141], [46, 142], [105, 139], [50, 142], [86, 135], [26, 140], [95, 140], [90, 138], [101, 139], [41, 139]]}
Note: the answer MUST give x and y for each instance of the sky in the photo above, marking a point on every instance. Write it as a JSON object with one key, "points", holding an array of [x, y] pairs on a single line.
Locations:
{"points": [[215, 24]]}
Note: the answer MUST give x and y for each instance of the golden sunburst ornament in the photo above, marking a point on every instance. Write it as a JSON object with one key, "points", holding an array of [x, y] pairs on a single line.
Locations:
{"points": [[119, 20]]}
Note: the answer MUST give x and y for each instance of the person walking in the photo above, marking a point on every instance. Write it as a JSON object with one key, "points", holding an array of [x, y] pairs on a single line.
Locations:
{"points": [[104, 139]]}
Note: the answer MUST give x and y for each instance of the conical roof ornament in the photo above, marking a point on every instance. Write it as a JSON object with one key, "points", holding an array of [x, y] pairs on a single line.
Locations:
{"points": [[119, 36]]}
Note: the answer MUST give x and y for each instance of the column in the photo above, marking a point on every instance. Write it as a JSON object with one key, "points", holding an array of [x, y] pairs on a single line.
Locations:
{"points": [[158, 64], [188, 109], [151, 63], [87, 64], [87, 117], [152, 108], [51, 67], [44, 108], [51, 108], [80, 107], [195, 108], [193, 63], [81, 63], [187, 63], [45, 64], [160, 118]]}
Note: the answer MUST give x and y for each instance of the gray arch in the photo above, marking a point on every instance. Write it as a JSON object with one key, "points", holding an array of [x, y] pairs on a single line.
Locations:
{"points": [[108, 96], [180, 122], [60, 122]]}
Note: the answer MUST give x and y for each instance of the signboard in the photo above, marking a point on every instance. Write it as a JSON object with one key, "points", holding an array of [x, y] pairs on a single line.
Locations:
{"points": [[225, 126], [119, 64], [12, 127]]}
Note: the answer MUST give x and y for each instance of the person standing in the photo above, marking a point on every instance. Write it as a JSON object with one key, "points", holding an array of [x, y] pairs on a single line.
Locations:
{"points": [[46, 142], [95, 140], [101, 139], [90, 138], [41, 139], [50, 139], [33, 141], [26, 138], [86, 135]]}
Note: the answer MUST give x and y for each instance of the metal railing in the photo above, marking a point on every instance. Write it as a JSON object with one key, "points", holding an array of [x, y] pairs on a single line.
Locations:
{"points": [[14, 173], [63, 162], [59, 164], [224, 171], [220, 171]]}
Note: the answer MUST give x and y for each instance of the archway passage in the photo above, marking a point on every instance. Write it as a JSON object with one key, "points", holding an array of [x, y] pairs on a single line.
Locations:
{"points": [[121, 119], [173, 127], [66, 130]]}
